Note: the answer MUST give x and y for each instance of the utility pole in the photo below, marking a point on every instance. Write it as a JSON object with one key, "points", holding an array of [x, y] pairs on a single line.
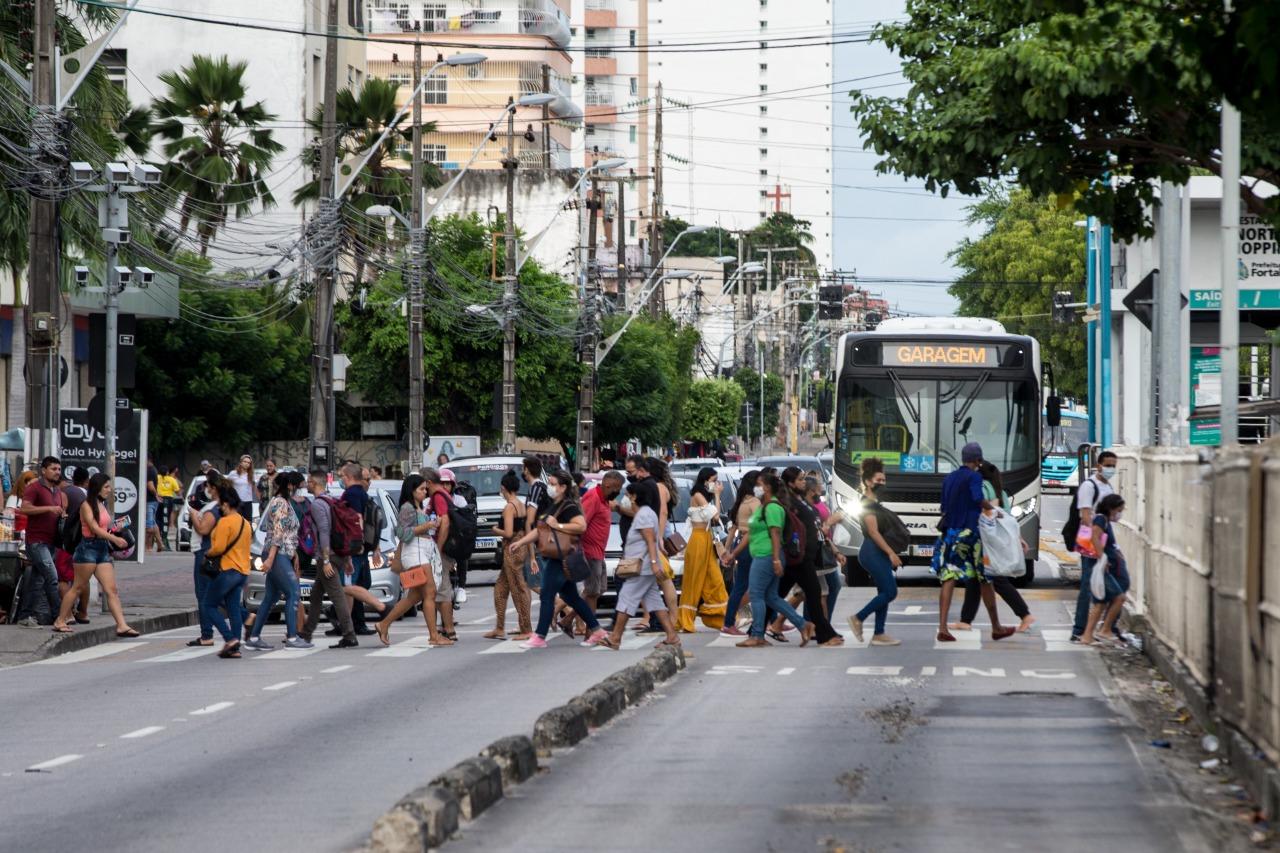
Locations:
{"points": [[1165, 336], [322, 401], [416, 260], [587, 349], [546, 118], [1229, 312], [621, 219], [43, 316], [510, 163], [657, 298]]}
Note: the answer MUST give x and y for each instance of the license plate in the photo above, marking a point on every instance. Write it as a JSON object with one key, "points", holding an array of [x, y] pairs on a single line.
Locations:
{"points": [[488, 543], [924, 550], [305, 588]]}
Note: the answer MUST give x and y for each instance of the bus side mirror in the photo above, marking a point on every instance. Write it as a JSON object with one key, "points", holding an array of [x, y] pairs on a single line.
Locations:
{"points": [[1053, 411]]}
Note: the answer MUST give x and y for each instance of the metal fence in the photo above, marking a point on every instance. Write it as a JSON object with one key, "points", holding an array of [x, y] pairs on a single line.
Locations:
{"points": [[1202, 538]]}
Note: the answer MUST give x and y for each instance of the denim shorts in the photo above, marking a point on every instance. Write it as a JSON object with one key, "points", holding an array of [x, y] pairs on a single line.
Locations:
{"points": [[93, 551], [152, 506]]}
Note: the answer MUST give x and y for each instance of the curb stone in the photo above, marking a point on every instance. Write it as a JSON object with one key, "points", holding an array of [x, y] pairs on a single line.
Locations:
{"points": [[428, 816], [88, 638]]}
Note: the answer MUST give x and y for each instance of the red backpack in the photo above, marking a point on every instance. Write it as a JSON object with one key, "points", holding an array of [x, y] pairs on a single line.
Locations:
{"points": [[346, 531]]}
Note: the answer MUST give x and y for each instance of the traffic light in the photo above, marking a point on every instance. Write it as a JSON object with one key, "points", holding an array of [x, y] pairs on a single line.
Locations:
{"points": [[830, 302], [1062, 312]]}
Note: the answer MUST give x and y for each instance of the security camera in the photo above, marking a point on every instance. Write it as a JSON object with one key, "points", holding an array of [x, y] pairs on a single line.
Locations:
{"points": [[82, 171], [146, 174], [124, 275], [118, 236], [116, 173], [82, 275], [146, 276]]}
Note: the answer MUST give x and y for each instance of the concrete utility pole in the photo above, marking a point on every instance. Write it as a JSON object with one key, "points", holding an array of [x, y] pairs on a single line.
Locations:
{"points": [[510, 163], [1167, 355], [44, 299], [416, 260], [546, 118], [587, 349], [621, 225], [656, 299], [322, 401], [1229, 312]]}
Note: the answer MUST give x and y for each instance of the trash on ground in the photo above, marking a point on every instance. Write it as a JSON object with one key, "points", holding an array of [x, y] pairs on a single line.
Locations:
{"points": [[1162, 744], [1211, 764], [1209, 743]]}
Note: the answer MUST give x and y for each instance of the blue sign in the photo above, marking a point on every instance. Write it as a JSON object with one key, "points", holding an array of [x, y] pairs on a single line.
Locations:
{"points": [[916, 463]]}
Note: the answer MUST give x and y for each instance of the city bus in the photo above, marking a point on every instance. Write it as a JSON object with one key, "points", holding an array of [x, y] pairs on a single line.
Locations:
{"points": [[915, 391], [1059, 455]]}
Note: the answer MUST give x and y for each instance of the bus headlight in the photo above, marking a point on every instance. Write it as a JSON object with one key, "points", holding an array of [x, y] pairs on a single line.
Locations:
{"points": [[1025, 508]]}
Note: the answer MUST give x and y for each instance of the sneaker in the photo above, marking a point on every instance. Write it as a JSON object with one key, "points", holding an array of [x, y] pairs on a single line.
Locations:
{"points": [[298, 643], [29, 622], [855, 625], [732, 631], [885, 640], [534, 642], [598, 638], [258, 643]]}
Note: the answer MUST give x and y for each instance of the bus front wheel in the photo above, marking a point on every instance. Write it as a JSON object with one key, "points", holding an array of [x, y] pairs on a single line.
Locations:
{"points": [[1028, 577]]}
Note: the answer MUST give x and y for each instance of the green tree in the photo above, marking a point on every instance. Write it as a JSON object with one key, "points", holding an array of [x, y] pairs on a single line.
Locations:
{"points": [[713, 410], [1028, 250], [362, 118], [749, 381], [638, 386], [1063, 95], [707, 244], [222, 163]]}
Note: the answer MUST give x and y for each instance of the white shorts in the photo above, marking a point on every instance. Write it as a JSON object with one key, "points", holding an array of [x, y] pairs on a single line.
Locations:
{"points": [[638, 590]]}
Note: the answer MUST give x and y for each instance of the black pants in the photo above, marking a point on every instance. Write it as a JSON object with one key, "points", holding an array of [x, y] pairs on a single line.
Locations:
{"points": [[462, 572], [1004, 588], [360, 576], [806, 577]]}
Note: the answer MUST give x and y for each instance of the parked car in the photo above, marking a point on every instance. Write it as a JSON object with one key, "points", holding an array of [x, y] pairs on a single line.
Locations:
{"points": [[484, 473], [691, 466], [384, 583]]}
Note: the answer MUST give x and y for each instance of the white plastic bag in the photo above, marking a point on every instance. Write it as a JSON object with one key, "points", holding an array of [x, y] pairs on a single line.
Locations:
{"points": [[1098, 579], [1001, 545]]}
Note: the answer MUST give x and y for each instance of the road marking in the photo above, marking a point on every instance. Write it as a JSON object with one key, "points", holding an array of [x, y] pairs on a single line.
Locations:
{"points": [[144, 732], [912, 610], [90, 654], [506, 647], [851, 640], [928, 670], [409, 648], [786, 670], [211, 709], [54, 762], [1047, 673], [637, 641], [873, 670], [994, 672], [735, 670], [970, 640], [288, 654], [280, 685], [182, 654], [334, 669], [1058, 640]]}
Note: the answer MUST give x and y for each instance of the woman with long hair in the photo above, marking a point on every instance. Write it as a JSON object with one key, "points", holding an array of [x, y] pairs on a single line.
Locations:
{"points": [[802, 573], [557, 533], [738, 555], [1109, 510], [703, 594], [230, 543], [93, 557], [14, 501], [511, 577], [876, 556], [419, 559], [242, 480], [765, 545], [281, 565]]}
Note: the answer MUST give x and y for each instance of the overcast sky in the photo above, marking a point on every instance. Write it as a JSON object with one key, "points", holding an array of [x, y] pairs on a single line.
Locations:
{"points": [[888, 248]]}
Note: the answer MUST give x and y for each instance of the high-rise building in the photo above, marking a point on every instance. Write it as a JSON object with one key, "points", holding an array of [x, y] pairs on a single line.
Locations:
{"points": [[525, 42], [747, 125]]}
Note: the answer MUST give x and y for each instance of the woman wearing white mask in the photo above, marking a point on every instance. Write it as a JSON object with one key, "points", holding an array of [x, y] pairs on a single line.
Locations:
{"points": [[748, 502]]}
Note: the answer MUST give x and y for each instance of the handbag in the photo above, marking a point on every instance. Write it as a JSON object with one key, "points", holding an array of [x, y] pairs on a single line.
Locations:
{"points": [[628, 568], [212, 565], [575, 564], [673, 544], [413, 578], [1098, 579]]}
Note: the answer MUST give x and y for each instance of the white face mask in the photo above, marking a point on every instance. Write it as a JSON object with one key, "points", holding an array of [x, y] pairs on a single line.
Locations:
{"points": [[554, 492], [758, 491], [1108, 472], [625, 502]]}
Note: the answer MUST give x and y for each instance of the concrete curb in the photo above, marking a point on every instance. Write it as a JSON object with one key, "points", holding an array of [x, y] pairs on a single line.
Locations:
{"points": [[428, 816], [88, 638]]}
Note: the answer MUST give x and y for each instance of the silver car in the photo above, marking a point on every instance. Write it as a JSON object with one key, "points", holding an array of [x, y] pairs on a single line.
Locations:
{"points": [[384, 583]]}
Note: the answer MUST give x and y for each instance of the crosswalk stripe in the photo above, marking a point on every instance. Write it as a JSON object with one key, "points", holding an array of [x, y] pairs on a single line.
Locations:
{"points": [[970, 641], [90, 654], [288, 654], [182, 654], [409, 648], [1059, 640]]}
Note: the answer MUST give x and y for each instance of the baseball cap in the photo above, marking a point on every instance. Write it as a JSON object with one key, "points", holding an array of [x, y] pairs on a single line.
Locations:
{"points": [[447, 476], [204, 463], [971, 452]]}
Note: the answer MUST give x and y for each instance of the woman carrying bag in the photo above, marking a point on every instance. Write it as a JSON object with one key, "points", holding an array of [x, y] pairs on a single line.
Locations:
{"points": [[703, 594], [883, 537], [227, 565], [419, 562]]}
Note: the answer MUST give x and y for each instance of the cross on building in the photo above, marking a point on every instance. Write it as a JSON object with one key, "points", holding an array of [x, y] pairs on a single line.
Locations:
{"points": [[777, 195]]}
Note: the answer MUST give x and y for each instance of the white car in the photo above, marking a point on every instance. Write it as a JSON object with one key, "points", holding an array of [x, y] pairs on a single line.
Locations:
{"points": [[484, 473]]}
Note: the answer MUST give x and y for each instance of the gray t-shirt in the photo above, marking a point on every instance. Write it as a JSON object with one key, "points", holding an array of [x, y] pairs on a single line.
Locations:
{"points": [[635, 546]]}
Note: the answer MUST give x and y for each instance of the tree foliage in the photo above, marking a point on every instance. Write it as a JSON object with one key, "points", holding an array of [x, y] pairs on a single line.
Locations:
{"points": [[1065, 95], [1028, 250], [644, 383], [749, 381], [219, 147], [713, 410]]}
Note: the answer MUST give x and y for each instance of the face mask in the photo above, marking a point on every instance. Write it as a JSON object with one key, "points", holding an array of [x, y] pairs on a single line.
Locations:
{"points": [[758, 491], [554, 492], [1108, 473], [625, 502]]}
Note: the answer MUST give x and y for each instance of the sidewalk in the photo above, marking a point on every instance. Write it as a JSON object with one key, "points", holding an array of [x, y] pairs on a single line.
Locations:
{"points": [[157, 596]]}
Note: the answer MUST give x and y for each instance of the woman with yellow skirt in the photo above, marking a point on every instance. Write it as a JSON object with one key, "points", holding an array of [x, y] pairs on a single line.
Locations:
{"points": [[702, 593]]}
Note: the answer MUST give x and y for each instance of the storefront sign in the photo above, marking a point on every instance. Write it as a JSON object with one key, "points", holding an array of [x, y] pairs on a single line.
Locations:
{"points": [[83, 445]]}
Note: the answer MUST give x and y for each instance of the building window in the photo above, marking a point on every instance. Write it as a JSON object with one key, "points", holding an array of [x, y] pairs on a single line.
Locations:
{"points": [[764, 173], [763, 88], [633, 133], [764, 25], [475, 72], [764, 131], [764, 66], [355, 15], [631, 37], [764, 45], [591, 130], [635, 85], [764, 152], [398, 78], [434, 17], [115, 62], [435, 89], [764, 110], [631, 226], [435, 153]]}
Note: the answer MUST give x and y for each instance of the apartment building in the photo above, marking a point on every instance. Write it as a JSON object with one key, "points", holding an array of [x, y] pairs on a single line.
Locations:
{"points": [[525, 42]]}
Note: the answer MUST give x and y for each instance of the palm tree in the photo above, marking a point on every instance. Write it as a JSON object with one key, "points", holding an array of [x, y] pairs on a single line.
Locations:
{"points": [[220, 165], [361, 118]]}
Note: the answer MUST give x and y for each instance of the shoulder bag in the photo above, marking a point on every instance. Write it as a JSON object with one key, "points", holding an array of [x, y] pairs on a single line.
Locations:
{"points": [[575, 562], [212, 565], [673, 544]]}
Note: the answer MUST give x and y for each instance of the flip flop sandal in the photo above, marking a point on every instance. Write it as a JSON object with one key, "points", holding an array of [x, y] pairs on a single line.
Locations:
{"points": [[198, 642], [131, 634], [63, 630], [778, 636]]}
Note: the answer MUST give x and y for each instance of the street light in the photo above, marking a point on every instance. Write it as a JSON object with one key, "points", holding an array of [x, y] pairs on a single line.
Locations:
{"points": [[746, 269], [484, 311], [692, 229], [601, 166], [386, 211], [606, 346]]}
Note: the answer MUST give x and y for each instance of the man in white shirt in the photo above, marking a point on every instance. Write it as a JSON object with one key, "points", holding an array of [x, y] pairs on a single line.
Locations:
{"points": [[1092, 490]]}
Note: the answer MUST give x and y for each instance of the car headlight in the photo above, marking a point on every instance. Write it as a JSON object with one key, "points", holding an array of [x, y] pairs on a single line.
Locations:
{"points": [[257, 564], [1025, 508]]}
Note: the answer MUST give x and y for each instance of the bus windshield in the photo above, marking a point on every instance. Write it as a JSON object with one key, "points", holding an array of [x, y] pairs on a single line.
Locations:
{"points": [[1066, 438], [920, 425]]}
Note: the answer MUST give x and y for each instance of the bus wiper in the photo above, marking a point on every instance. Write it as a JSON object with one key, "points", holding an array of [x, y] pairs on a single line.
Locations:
{"points": [[963, 410], [905, 398]]}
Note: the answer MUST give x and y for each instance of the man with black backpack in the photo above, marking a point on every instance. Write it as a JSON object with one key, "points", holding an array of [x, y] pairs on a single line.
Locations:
{"points": [[329, 565], [1092, 490], [356, 496]]}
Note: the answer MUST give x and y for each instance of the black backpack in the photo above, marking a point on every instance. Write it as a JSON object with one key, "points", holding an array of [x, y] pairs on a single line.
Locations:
{"points": [[795, 544], [375, 519], [1072, 527], [461, 541], [70, 534]]}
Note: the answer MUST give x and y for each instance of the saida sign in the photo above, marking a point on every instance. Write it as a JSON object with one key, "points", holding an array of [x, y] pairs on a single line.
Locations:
{"points": [[1258, 269]]}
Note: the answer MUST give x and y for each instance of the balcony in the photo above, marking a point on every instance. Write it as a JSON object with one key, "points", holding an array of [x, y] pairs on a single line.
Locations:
{"points": [[600, 61], [600, 14], [459, 17], [600, 106], [487, 85]]}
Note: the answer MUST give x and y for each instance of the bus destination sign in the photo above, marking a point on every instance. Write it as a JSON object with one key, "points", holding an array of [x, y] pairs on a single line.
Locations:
{"points": [[940, 355]]}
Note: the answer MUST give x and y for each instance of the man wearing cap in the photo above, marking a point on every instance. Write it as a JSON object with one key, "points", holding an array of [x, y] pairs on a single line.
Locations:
{"points": [[957, 556], [439, 501]]}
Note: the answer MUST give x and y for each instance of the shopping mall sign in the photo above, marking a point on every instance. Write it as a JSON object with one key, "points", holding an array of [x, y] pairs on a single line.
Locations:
{"points": [[1258, 268]]}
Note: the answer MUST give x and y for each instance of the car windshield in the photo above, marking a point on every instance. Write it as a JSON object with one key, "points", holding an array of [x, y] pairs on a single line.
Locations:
{"points": [[485, 477]]}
